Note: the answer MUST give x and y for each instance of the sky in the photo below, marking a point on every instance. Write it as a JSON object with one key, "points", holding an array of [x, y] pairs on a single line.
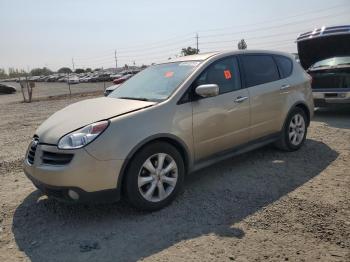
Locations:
{"points": [[47, 33]]}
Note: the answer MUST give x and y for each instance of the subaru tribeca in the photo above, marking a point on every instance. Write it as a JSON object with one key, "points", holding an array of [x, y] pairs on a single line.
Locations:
{"points": [[170, 119]]}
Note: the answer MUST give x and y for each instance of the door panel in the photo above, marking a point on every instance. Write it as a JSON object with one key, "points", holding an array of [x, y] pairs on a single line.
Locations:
{"points": [[267, 103], [268, 93], [220, 123]]}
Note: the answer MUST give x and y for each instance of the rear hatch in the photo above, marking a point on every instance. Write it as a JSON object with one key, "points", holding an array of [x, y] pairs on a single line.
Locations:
{"points": [[329, 44]]}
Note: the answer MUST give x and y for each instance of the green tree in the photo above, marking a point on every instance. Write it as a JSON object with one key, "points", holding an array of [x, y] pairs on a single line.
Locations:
{"points": [[79, 70], [3, 73], [40, 71], [242, 45], [189, 51], [15, 72], [88, 70], [64, 70]]}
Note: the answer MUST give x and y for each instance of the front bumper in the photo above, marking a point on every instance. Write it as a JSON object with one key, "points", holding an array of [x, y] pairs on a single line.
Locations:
{"points": [[84, 174], [329, 96], [63, 193]]}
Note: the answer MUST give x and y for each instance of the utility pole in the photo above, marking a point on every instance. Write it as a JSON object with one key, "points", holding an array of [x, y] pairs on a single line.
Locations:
{"points": [[73, 63], [116, 60], [197, 37]]}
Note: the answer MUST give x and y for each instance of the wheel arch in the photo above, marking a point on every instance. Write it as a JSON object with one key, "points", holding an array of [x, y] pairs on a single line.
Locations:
{"points": [[175, 141], [305, 108]]}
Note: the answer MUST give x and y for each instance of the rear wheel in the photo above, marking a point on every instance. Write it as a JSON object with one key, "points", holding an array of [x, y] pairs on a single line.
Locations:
{"points": [[154, 177], [294, 131]]}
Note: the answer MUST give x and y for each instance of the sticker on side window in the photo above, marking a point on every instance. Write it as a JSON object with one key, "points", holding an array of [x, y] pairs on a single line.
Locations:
{"points": [[227, 74], [169, 74]]}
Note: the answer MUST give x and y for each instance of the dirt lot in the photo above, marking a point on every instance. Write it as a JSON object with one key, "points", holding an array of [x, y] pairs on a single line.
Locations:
{"points": [[265, 205]]}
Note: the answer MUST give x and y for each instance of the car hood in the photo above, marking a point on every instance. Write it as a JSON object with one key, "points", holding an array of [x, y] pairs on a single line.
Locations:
{"points": [[312, 50], [83, 113]]}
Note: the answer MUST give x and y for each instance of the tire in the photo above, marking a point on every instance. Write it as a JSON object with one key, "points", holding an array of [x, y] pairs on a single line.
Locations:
{"points": [[287, 141], [149, 187]]}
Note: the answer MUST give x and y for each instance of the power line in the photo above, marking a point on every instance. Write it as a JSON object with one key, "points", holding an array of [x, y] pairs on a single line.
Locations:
{"points": [[274, 27], [166, 47], [146, 51], [276, 19]]}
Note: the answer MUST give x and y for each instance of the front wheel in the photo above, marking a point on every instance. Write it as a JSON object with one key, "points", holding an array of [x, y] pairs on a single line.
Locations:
{"points": [[154, 177], [294, 131]]}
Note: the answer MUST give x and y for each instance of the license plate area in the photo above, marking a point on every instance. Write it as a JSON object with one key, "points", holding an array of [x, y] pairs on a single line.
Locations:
{"points": [[331, 95]]}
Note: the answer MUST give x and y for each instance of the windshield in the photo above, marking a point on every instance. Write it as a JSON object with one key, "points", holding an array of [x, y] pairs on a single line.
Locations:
{"points": [[156, 83], [335, 61]]}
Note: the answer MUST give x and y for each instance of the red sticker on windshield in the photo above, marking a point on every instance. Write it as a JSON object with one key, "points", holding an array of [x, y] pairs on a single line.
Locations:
{"points": [[169, 74], [227, 74]]}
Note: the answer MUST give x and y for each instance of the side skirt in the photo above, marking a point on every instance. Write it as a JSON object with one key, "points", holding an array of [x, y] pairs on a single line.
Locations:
{"points": [[260, 142]]}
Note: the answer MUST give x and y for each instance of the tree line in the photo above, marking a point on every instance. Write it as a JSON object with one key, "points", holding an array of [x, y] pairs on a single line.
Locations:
{"points": [[14, 72]]}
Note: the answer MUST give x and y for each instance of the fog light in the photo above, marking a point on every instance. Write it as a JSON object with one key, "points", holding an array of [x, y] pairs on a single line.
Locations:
{"points": [[73, 195], [342, 95]]}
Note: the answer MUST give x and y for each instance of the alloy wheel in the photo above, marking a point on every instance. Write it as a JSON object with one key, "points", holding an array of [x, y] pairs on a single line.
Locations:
{"points": [[296, 129], [157, 177]]}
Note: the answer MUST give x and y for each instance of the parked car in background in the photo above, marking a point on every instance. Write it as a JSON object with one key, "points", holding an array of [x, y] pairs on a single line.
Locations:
{"points": [[115, 76], [110, 89], [325, 54], [168, 120], [104, 78], [85, 79], [7, 89], [122, 79], [73, 79]]}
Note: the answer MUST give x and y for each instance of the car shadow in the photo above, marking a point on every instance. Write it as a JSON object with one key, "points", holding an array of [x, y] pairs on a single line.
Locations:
{"points": [[335, 116], [214, 199]]}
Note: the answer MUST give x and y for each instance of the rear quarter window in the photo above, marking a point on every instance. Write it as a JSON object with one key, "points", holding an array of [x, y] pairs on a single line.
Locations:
{"points": [[259, 69], [285, 66]]}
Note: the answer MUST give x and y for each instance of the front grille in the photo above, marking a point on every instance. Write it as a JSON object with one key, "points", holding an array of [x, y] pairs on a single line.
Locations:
{"points": [[57, 159], [32, 150]]}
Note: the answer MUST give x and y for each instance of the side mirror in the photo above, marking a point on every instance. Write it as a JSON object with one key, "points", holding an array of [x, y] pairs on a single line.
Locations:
{"points": [[207, 90]]}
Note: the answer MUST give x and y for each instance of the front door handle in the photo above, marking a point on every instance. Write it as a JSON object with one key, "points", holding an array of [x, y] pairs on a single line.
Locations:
{"points": [[285, 87], [240, 99]]}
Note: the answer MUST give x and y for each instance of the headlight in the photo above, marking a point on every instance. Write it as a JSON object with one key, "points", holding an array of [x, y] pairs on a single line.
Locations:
{"points": [[83, 136]]}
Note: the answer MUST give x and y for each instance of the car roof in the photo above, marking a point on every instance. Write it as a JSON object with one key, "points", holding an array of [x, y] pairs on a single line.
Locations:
{"points": [[205, 56]]}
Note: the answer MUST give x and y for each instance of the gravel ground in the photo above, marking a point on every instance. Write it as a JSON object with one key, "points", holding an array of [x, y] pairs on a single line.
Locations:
{"points": [[265, 205]]}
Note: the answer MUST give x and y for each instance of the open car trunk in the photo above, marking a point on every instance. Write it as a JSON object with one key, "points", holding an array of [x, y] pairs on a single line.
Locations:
{"points": [[321, 44], [337, 78]]}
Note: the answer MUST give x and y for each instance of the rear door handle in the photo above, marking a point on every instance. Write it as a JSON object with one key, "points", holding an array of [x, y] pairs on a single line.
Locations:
{"points": [[240, 99], [285, 87]]}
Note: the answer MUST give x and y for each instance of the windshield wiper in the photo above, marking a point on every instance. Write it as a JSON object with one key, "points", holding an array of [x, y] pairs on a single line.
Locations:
{"points": [[134, 98]]}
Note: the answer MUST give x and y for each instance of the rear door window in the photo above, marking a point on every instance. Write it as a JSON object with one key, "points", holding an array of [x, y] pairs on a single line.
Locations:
{"points": [[285, 66], [224, 73], [259, 69]]}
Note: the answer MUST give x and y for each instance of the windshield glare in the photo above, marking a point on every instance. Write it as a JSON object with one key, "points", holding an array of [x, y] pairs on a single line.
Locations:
{"points": [[156, 83], [332, 61]]}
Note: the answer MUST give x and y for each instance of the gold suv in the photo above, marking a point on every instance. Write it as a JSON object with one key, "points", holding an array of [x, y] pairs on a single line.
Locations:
{"points": [[169, 120]]}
